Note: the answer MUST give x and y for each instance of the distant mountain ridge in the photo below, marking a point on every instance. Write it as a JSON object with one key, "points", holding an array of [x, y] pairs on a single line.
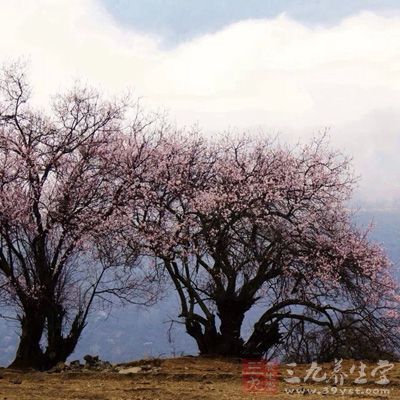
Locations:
{"points": [[135, 332]]}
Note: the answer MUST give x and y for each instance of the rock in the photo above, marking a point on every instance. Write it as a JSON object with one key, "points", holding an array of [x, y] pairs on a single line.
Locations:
{"points": [[16, 381], [131, 370], [91, 361], [60, 367], [106, 365], [76, 364]]}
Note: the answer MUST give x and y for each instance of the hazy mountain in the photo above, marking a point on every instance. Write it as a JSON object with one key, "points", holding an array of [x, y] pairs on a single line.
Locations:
{"points": [[386, 231], [134, 332]]}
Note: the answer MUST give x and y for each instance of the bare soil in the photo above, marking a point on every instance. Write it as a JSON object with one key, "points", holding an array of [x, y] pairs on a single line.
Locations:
{"points": [[177, 379]]}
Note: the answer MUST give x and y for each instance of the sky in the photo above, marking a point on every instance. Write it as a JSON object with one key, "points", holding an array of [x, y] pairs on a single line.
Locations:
{"points": [[180, 20], [287, 67]]}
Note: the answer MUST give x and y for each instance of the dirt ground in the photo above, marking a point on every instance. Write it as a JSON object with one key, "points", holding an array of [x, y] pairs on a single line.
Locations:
{"points": [[190, 378]]}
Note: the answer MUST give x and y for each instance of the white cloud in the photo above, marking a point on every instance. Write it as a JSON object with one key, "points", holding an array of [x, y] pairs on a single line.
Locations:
{"points": [[275, 74]]}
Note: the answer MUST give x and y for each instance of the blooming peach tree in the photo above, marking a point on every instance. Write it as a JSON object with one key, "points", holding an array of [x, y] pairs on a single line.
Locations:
{"points": [[60, 185], [239, 224]]}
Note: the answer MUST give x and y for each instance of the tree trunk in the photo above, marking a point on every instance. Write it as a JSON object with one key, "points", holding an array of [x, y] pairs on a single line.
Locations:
{"points": [[206, 336], [227, 342], [263, 338], [29, 353], [59, 348]]}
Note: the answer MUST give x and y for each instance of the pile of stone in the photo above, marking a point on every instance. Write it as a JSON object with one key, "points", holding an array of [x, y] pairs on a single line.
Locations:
{"points": [[92, 363]]}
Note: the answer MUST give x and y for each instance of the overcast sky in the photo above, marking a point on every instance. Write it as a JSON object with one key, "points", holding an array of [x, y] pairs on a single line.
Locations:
{"points": [[289, 67]]}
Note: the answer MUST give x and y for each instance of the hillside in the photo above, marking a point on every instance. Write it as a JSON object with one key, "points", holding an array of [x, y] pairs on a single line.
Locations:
{"points": [[183, 378]]}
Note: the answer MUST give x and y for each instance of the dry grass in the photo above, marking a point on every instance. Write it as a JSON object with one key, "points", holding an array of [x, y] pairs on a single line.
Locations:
{"points": [[178, 379]]}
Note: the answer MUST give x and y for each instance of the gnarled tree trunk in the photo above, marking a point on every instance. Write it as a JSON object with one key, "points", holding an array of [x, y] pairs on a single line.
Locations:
{"points": [[59, 347], [227, 341], [29, 353]]}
